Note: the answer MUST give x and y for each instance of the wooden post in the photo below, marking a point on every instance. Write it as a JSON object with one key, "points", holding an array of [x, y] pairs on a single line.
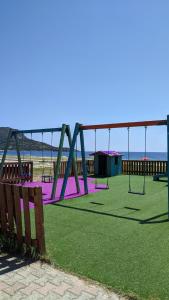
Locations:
{"points": [[3, 209], [10, 206], [39, 220], [27, 221], [57, 165], [18, 214]]}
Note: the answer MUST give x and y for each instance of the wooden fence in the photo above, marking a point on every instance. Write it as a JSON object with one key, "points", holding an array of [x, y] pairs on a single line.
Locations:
{"points": [[15, 220], [149, 167], [11, 173], [134, 167], [89, 164]]}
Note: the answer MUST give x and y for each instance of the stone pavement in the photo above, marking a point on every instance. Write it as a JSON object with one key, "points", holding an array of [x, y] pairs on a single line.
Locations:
{"points": [[21, 279]]}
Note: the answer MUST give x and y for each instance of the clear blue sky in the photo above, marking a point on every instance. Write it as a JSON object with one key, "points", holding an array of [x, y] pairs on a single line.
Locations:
{"points": [[91, 61]]}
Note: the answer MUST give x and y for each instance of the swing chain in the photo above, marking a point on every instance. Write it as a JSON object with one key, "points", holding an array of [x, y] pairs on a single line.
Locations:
{"points": [[109, 131], [30, 156], [144, 164], [76, 151], [51, 153], [145, 153], [95, 141], [23, 152], [42, 157], [129, 173]]}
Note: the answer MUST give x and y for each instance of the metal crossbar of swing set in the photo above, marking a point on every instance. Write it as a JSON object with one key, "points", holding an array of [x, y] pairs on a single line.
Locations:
{"points": [[41, 130], [123, 125]]}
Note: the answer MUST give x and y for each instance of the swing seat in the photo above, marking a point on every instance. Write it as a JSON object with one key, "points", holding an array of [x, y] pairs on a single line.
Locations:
{"points": [[101, 186], [136, 193], [47, 178]]}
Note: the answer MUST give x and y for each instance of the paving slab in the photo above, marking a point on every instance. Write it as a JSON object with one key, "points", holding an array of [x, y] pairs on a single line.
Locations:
{"points": [[25, 279]]}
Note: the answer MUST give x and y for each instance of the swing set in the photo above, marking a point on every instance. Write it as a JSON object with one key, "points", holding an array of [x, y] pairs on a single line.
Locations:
{"points": [[72, 161], [63, 130], [79, 131]]}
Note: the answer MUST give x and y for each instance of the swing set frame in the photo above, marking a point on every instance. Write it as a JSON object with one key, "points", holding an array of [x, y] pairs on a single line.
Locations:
{"points": [[79, 130], [64, 130]]}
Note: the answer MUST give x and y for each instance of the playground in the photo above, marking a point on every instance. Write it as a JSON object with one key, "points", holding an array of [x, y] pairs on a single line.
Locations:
{"points": [[113, 230]]}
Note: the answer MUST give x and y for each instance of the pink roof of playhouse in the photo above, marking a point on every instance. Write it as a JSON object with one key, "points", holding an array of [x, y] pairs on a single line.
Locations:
{"points": [[108, 153]]}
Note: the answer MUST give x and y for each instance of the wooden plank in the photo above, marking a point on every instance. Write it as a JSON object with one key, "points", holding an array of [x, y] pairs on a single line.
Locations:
{"points": [[27, 223], [18, 215], [31, 194], [3, 209], [39, 219], [10, 206]]}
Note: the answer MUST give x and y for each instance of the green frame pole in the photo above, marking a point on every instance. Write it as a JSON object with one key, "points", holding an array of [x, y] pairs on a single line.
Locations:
{"points": [[5, 151], [69, 162], [58, 162], [73, 160], [83, 161]]}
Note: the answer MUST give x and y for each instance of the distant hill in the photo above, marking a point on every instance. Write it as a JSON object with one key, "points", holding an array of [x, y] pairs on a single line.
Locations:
{"points": [[24, 142]]}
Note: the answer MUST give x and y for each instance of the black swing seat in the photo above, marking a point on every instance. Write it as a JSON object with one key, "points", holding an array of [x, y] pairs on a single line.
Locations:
{"points": [[106, 187], [47, 178], [136, 193]]}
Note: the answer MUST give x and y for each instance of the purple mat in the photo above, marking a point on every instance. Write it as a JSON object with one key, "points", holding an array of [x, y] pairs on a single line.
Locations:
{"points": [[70, 192]]}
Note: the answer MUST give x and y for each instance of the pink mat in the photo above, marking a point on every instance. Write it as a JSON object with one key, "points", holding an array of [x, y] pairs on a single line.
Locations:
{"points": [[70, 192]]}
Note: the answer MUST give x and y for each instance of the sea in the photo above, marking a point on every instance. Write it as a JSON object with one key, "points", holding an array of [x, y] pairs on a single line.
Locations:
{"points": [[133, 155]]}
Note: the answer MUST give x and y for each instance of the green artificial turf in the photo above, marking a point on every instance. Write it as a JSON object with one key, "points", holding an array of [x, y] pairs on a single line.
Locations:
{"points": [[110, 237]]}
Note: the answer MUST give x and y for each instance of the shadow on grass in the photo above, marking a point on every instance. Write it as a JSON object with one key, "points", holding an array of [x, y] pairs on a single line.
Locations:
{"points": [[98, 203], [151, 220], [131, 208]]}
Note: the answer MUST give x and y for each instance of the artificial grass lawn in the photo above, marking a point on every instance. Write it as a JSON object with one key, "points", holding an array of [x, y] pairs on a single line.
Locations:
{"points": [[109, 241]]}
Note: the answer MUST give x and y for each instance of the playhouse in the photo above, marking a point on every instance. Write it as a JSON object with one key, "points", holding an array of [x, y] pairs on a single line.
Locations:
{"points": [[107, 163]]}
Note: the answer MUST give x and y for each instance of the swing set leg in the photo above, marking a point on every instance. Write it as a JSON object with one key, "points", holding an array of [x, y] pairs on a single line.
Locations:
{"points": [[74, 161], [57, 167], [69, 162], [83, 162]]}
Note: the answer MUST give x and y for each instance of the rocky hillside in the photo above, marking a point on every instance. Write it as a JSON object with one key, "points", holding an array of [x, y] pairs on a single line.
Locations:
{"points": [[24, 142]]}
